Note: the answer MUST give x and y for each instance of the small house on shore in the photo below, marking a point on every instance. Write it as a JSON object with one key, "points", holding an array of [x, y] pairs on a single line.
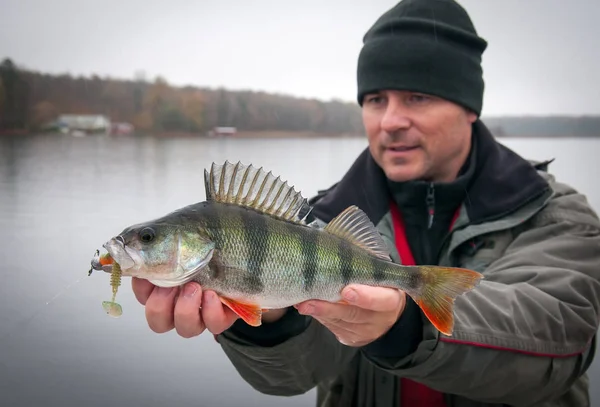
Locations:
{"points": [[222, 132], [75, 123]]}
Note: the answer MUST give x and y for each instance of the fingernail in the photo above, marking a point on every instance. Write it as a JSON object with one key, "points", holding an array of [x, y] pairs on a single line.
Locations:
{"points": [[211, 297], [350, 295], [163, 291], [307, 309], [190, 290]]}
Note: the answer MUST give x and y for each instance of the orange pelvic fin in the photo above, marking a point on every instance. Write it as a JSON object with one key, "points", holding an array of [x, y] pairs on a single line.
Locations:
{"points": [[441, 286], [250, 313]]}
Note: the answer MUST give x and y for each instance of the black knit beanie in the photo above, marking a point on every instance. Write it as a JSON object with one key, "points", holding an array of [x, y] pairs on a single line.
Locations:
{"points": [[427, 46]]}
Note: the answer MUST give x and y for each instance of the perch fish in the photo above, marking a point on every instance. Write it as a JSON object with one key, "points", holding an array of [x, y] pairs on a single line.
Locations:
{"points": [[249, 241]]}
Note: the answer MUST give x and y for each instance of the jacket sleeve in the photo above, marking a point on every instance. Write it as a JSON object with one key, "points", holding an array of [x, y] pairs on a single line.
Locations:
{"points": [[278, 361], [527, 332]]}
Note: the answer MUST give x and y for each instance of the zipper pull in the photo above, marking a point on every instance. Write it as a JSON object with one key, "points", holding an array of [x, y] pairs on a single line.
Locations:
{"points": [[430, 201]]}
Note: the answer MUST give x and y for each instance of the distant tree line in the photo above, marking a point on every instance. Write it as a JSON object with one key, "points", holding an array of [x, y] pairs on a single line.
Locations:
{"points": [[550, 126], [30, 100]]}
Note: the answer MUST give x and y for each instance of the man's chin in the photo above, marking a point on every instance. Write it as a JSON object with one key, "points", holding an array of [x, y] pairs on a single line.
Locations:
{"points": [[403, 173]]}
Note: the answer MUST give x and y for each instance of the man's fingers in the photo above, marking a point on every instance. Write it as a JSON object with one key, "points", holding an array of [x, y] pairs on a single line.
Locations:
{"points": [[142, 289], [334, 313], [374, 298], [186, 317], [339, 328], [216, 316], [159, 309], [345, 333]]}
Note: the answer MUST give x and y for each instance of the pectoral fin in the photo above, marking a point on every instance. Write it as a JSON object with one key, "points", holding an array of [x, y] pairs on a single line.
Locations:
{"points": [[250, 313]]}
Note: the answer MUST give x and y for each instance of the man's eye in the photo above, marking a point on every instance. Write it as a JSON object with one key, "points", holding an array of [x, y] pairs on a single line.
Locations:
{"points": [[374, 99], [419, 98]]}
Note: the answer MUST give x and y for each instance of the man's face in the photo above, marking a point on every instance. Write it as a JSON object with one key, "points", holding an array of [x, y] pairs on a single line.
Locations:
{"points": [[417, 136]]}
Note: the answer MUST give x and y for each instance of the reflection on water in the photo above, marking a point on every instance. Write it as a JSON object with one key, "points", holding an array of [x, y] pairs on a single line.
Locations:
{"points": [[61, 197]]}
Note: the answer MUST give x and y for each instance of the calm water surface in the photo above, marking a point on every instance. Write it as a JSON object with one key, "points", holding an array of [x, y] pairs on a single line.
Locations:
{"points": [[61, 197]]}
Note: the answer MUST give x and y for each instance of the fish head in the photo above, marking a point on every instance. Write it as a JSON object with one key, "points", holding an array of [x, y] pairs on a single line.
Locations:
{"points": [[160, 250]]}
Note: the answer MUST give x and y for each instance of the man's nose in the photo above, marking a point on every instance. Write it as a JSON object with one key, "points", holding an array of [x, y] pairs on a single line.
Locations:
{"points": [[395, 117]]}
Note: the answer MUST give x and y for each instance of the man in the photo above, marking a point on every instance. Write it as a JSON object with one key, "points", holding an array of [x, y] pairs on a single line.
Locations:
{"points": [[441, 190]]}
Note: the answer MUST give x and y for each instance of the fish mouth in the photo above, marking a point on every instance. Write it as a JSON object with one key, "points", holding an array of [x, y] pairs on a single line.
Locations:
{"points": [[120, 253], [117, 252]]}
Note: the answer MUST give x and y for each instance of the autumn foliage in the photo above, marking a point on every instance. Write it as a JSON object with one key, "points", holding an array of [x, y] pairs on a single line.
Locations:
{"points": [[29, 100]]}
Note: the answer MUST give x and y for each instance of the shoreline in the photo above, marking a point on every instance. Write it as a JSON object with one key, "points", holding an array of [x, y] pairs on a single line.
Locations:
{"points": [[258, 135]]}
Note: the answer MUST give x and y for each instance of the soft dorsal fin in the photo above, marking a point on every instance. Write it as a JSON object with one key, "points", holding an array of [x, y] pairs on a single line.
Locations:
{"points": [[251, 187], [354, 226]]}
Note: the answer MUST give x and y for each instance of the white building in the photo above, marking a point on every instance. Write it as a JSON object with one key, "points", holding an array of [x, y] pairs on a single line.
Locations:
{"points": [[222, 131], [69, 123]]}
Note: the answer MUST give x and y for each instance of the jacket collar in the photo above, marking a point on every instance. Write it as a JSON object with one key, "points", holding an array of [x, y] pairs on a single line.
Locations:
{"points": [[421, 201], [502, 182]]}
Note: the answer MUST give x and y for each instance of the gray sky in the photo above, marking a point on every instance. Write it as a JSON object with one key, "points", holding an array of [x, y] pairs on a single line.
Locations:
{"points": [[542, 57]]}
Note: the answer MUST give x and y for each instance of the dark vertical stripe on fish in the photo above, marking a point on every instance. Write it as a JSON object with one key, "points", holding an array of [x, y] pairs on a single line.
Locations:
{"points": [[256, 237], [377, 269], [213, 225], [311, 259], [345, 260], [309, 244]]}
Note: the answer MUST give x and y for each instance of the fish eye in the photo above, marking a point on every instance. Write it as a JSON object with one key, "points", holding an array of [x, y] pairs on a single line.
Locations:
{"points": [[147, 235]]}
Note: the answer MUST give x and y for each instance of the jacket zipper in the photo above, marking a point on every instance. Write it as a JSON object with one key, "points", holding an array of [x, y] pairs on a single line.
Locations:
{"points": [[430, 202]]}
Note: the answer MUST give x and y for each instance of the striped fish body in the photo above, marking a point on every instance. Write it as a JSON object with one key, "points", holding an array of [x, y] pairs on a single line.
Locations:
{"points": [[249, 242], [276, 263]]}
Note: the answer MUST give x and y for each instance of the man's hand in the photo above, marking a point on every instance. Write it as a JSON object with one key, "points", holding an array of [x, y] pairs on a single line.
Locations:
{"points": [[370, 313], [188, 309]]}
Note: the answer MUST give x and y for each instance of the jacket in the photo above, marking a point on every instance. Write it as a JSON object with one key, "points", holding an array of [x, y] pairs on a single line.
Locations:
{"points": [[524, 337]]}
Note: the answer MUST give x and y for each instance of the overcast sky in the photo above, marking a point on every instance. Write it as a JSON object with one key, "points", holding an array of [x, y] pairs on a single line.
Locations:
{"points": [[542, 57]]}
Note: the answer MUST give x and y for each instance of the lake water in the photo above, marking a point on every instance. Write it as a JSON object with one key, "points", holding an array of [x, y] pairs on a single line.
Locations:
{"points": [[61, 197]]}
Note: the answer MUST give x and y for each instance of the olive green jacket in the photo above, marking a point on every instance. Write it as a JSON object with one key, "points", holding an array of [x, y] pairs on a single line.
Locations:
{"points": [[524, 337]]}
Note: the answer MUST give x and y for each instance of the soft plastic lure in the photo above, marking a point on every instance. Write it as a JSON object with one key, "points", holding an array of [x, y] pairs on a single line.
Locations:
{"points": [[111, 307]]}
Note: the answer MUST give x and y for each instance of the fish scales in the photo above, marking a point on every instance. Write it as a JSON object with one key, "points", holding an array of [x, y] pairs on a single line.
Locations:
{"points": [[282, 255], [249, 242], [270, 258]]}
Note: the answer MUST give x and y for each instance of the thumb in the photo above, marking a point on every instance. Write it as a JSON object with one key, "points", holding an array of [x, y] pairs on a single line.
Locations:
{"points": [[374, 298]]}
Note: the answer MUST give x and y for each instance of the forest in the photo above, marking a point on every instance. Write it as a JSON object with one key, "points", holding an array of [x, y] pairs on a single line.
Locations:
{"points": [[30, 100]]}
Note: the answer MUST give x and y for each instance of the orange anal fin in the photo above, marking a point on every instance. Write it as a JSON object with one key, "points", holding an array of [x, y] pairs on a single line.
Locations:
{"points": [[250, 313], [343, 302]]}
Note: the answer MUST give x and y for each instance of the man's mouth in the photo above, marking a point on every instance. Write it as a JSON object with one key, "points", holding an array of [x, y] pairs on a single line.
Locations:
{"points": [[402, 148]]}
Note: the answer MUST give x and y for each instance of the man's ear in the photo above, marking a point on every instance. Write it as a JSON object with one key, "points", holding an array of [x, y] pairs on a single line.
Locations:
{"points": [[471, 115]]}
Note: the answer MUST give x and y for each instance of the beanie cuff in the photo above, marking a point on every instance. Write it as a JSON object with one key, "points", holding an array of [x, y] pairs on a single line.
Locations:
{"points": [[427, 65]]}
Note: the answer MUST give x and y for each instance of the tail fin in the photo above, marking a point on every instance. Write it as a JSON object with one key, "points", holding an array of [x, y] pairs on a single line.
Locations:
{"points": [[440, 287]]}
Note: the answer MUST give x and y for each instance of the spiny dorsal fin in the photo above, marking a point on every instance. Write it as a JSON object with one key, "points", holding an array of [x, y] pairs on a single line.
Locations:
{"points": [[254, 188], [354, 226]]}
